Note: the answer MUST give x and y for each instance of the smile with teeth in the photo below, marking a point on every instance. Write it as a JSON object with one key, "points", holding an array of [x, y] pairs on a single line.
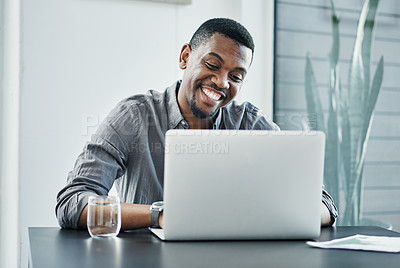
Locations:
{"points": [[211, 94]]}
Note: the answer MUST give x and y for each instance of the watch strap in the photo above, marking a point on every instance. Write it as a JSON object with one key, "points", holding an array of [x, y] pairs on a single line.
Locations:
{"points": [[156, 208], [155, 214]]}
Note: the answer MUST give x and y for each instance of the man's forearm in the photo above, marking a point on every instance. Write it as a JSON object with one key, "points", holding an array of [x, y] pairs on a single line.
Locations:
{"points": [[133, 216]]}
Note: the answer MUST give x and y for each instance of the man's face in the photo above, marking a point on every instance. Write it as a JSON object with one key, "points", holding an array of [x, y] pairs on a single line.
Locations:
{"points": [[214, 73]]}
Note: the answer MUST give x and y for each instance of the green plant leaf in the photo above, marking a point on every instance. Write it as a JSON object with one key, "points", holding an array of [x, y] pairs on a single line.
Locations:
{"points": [[334, 54], [353, 214], [344, 138], [332, 155], [359, 91], [359, 74], [368, 31], [371, 103], [375, 89], [314, 107]]}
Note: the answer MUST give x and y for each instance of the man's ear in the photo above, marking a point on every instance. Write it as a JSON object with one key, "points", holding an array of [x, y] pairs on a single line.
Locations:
{"points": [[184, 56]]}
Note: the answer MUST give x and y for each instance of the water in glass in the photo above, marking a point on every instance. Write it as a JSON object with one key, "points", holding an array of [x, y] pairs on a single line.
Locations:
{"points": [[104, 216]]}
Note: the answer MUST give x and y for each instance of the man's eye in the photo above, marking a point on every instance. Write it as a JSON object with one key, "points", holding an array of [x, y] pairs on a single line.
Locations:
{"points": [[211, 66], [236, 78]]}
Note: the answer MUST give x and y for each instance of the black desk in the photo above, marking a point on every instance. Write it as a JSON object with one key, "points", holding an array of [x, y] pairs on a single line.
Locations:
{"points": [[55, 247]]}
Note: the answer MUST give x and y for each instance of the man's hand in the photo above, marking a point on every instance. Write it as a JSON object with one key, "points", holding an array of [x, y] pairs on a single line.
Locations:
{"points": [[325, 216]]}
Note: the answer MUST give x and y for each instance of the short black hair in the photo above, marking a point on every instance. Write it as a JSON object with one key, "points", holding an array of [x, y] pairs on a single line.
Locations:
{"points": [[227, 27]]}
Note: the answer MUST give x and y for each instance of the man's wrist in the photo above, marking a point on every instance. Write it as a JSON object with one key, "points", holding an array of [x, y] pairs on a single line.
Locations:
{"points": [[156, 213], [160, 219]]}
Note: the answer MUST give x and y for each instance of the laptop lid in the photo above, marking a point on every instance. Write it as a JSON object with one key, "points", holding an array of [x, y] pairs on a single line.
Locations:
{"points": [[241, 184]]}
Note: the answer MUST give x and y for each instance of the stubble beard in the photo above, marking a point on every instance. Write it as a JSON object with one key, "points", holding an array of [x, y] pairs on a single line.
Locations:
{"points": [[197, 112]]}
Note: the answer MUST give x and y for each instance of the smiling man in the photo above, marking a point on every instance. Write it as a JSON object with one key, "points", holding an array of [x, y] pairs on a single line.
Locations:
{"points": [[128, 147], [214, 73]]}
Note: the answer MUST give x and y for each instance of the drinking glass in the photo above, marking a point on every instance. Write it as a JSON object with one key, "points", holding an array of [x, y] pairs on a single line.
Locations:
{"points": [[104, 216]]}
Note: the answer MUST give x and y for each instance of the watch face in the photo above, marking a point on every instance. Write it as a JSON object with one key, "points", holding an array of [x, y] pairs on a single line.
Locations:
{"points": [[159, 204]]}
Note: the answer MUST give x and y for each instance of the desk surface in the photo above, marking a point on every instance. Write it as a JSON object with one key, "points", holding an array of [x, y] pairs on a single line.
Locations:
{"points": [[55, 247]]}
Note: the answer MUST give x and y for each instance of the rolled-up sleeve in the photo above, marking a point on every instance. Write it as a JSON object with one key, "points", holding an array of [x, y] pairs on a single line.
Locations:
{"points": [[328, 201], [100, 163]]}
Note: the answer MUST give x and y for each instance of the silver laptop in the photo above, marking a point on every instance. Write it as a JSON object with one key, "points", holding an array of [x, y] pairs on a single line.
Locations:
{"points": [[235, 185]]}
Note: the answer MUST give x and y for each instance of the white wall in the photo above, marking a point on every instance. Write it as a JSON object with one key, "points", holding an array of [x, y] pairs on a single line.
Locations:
{"points": [[80, 57], [9, 113]]}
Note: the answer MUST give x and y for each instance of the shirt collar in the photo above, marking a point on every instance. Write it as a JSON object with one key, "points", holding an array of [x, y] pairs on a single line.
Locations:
{"points": [[218, 119], [175, 116]]}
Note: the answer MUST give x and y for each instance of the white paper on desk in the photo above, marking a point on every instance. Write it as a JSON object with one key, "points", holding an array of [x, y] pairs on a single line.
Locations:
{"points": [[362, 242]]}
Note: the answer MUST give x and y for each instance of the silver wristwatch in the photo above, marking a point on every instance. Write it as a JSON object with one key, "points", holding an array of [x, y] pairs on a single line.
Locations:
{"points": [[156, 208]]}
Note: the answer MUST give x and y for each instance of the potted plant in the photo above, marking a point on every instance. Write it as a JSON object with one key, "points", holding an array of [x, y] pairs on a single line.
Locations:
{"points": [[351, 111]]}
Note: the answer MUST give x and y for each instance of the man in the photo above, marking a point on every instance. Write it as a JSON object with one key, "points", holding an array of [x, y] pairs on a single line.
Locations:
{"points": [[128, 146]]}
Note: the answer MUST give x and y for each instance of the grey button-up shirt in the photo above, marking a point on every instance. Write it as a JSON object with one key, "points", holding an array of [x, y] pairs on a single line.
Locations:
{"points": [[128, 148]]}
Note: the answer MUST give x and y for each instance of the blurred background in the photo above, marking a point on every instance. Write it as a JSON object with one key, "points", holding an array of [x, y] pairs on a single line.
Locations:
{"points": [[64, 64]]}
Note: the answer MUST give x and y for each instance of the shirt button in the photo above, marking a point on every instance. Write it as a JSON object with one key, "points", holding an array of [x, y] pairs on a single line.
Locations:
{"points": [[184, 124]]}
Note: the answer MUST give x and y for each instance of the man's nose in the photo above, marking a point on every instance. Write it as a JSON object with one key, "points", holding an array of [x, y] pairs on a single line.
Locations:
{"points": [[221, 81]]}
